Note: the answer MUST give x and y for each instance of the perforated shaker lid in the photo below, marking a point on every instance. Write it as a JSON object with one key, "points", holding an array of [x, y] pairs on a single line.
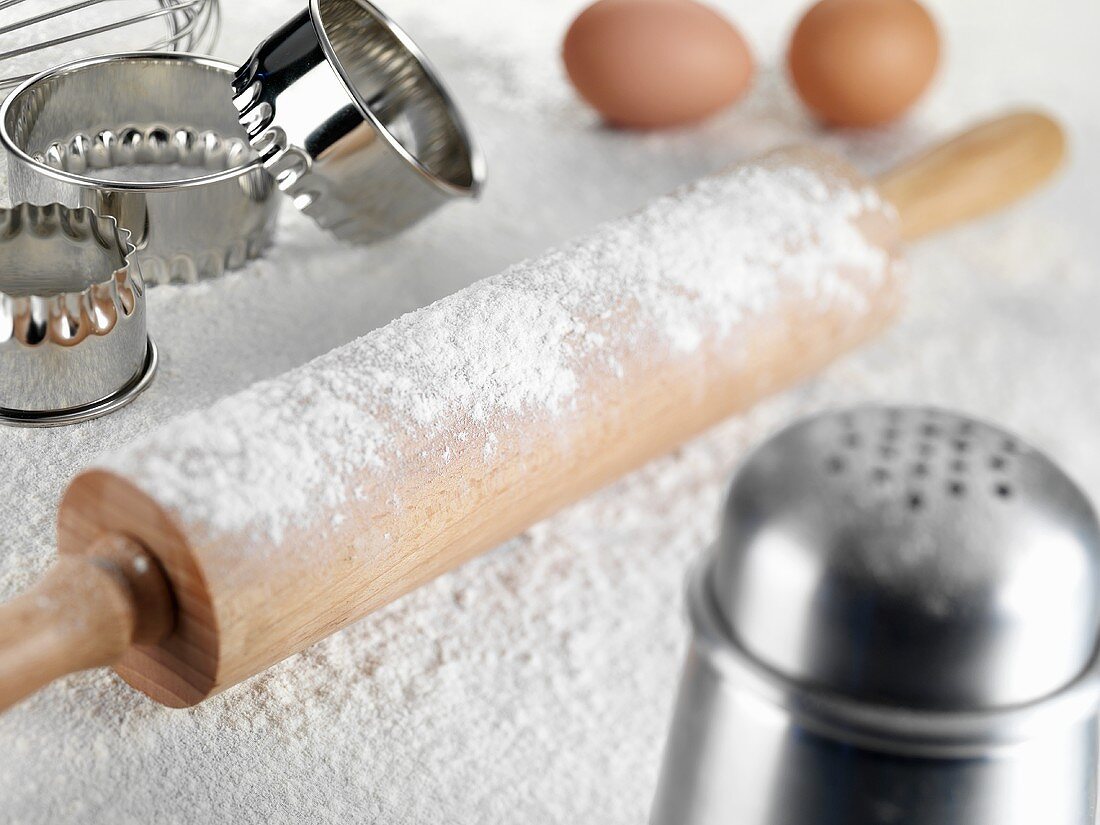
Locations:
{"points": [[910, 557]]}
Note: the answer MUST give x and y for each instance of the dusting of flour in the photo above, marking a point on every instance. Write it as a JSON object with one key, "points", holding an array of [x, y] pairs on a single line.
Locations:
{"points": [[533, 685], [688, 268]]}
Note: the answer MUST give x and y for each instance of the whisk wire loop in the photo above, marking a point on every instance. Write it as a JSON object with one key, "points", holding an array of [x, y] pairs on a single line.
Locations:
{"points": [[190, 25]]}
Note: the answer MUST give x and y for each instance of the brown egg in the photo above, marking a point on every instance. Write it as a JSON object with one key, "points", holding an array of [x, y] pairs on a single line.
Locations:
{"points": [[652, 63], [863, 62]]}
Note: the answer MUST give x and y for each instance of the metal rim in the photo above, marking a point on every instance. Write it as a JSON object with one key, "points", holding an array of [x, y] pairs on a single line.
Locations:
{"points": [[902, 731], [87, 412], [8, 142], [477, 160]]}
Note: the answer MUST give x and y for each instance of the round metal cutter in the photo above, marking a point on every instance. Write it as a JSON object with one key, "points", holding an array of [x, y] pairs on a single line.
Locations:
{"points": [[73, 341]]}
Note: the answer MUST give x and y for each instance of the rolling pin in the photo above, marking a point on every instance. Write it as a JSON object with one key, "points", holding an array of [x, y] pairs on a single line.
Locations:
{"points": [[234, 537]]}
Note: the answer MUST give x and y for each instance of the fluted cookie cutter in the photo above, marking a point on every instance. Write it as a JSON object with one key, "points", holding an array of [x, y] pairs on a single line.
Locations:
{"points": [[151, 139], [354, 122], [73, 340]]}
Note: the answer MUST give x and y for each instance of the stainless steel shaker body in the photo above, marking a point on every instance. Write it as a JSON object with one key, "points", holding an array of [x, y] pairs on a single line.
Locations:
{"points": [[897, 625]]}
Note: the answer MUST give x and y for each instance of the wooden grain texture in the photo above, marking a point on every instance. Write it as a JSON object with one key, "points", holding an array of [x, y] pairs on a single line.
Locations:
{"points": [[226, 614], [980, 171], [238, 616], [86, 612], [176, 667], [240, 612]]}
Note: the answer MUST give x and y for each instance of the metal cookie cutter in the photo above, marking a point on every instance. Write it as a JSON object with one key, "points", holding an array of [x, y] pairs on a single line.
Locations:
{"points": [[73, 341], [354, 122], [152, 140], [898, 625]]}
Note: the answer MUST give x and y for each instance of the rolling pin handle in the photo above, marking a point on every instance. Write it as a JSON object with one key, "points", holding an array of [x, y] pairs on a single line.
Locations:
{"points": [[979, 171], [84, 613]]}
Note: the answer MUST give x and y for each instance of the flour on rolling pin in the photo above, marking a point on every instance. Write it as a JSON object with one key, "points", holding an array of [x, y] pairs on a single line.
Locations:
{"points": [[288, 511], [690, 267]]}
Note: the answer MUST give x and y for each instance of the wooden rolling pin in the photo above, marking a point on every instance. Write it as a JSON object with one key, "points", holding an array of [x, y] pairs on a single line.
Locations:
{"points": [[235, 537]]}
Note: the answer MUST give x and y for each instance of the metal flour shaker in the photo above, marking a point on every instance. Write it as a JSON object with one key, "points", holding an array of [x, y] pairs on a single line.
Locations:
{"points": [[898, 625]]}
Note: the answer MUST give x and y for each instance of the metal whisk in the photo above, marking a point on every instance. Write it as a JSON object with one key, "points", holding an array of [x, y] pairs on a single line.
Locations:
{"points": [[189, 25]]}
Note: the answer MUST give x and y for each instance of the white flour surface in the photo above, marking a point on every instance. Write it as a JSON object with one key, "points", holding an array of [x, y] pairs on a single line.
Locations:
{"points": [[690, 269], [534, 684]]}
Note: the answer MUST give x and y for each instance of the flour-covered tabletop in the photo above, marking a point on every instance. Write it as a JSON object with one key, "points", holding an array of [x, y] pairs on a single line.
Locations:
{"points": [[534, 685]]}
